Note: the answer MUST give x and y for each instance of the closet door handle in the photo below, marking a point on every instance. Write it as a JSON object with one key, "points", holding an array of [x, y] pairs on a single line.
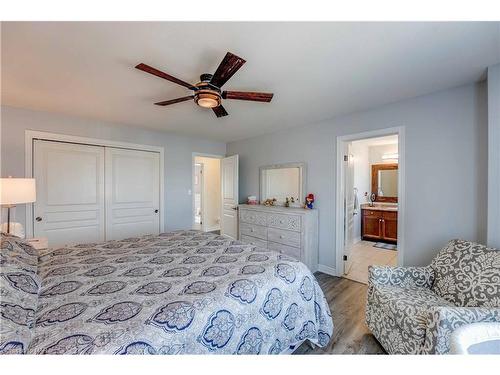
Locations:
{"points": [[156, 211], [38, 218]]}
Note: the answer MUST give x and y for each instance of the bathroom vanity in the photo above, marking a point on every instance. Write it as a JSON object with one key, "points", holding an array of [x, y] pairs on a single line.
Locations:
{"points": [[379, 222]]}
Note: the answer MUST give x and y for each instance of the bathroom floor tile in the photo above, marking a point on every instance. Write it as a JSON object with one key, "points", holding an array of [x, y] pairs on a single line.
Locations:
{"points": [[363, 254]]}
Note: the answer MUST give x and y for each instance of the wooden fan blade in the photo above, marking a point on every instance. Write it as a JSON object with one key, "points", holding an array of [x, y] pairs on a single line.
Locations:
{"points": [[173, 101], [220, 111], [228, 66], [168, 77], [244, 95]]}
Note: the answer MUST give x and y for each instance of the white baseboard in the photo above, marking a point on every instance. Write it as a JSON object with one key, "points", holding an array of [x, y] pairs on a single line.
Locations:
{"points": [[328, 270], [356, 240]]}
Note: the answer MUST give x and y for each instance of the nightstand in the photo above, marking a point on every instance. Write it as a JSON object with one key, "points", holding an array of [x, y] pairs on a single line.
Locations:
{"points": [[40, 243]]}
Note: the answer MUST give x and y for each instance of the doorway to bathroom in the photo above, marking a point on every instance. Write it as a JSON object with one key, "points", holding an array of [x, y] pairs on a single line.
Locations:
{"points": [[369, 202]]}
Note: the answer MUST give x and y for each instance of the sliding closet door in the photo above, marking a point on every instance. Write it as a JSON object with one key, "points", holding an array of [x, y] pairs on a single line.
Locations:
{"points": [[132, 193], [70, 192]]}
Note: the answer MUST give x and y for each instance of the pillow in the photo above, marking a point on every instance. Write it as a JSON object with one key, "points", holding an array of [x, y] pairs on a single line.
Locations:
{"points": [[468, 274], [19, 289]]}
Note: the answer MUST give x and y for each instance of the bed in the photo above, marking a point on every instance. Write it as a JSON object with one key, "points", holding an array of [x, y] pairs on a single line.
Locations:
{"points": [[182, 292]]}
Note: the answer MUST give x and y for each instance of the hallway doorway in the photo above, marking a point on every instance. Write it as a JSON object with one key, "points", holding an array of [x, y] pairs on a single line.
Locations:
{"points": [[206, 193]]}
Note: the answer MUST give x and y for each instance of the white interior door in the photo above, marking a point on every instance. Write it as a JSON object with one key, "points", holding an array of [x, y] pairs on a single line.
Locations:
{"points": [[70, 192], [132, 193], [348, 208], [229, 187]]}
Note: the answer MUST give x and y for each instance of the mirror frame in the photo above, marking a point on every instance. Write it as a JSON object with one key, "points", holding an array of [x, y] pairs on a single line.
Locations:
{"points": [[302, 180], [375, 169]]}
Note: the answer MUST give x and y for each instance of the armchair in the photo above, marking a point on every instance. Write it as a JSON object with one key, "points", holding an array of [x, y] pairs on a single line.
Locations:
{"points": [[414, 310]]}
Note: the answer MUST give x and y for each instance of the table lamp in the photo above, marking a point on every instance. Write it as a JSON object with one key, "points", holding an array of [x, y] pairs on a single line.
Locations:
{"points": [[15, 191]]}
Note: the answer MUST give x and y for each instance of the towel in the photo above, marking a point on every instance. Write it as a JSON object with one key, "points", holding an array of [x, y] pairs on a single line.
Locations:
{"points": [[356, 202]]}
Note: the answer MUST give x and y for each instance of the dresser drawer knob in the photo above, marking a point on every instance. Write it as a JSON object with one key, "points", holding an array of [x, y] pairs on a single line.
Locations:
{"points": [[281, 236], [281, 221], [251, 230]]}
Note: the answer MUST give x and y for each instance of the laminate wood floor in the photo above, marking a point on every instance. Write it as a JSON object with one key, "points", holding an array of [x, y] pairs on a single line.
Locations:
{"points": [[347, 300]]}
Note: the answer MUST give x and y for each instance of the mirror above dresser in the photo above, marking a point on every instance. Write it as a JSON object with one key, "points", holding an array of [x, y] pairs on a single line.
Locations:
{"points": [[281, 181]]}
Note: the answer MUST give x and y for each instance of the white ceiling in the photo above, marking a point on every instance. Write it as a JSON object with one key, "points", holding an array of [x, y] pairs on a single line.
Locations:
{"points": [[316, 70]]}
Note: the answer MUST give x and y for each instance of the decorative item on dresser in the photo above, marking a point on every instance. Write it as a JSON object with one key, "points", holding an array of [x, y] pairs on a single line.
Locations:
{"points": [[290, 231]]}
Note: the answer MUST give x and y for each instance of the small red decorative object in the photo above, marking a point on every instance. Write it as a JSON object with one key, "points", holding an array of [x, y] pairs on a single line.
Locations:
{"points": [[309, 201]]}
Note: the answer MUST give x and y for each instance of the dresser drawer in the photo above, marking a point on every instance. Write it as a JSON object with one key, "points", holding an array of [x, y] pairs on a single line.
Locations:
{"points": [[253, 217], [284, 237], [254, 241], [253, 230], [284, 249], [290, 222]]}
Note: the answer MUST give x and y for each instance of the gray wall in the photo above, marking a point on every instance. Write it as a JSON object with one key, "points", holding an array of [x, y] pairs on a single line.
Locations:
{"points": [[446, 166], [494, 156], [178, 152]]}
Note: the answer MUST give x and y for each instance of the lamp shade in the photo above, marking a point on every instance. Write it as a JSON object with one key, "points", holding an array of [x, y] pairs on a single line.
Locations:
{"points": [[17, 191]]}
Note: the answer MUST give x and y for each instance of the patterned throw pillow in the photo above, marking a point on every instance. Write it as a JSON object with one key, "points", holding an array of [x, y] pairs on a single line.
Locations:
{"points": [[19, 288], [468, 274]]}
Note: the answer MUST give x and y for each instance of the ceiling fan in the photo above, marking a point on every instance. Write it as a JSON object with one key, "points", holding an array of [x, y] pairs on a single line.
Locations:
{"points": [[207, 92]]}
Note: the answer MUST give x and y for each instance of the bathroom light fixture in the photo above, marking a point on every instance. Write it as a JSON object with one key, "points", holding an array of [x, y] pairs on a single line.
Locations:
{"points": [[391, 156]]}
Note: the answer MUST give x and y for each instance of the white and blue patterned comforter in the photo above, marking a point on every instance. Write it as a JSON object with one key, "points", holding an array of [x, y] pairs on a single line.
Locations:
{"points": [[181, 292]]}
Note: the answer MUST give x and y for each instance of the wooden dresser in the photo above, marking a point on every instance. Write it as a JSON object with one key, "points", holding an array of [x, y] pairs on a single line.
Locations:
{"points": [[290, 231], [379, 223]]}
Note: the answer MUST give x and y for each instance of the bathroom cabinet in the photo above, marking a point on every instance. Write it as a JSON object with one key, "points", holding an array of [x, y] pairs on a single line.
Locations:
{"points": [[379, 224]]}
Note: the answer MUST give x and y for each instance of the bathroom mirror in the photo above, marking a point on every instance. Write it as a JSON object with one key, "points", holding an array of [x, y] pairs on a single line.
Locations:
{"points": [[385, 182], [283, 180]]}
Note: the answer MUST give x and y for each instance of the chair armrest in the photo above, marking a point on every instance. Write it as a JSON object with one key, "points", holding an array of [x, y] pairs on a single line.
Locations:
{"points": [[401, 276], [443, 320]]}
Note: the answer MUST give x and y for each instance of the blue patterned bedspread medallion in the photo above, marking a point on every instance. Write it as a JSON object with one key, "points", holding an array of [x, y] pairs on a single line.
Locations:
{"points": [[182, 292]]}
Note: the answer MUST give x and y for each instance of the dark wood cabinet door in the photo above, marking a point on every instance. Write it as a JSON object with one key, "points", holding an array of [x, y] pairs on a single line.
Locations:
{"points": [[390, 229], [371, 227]]}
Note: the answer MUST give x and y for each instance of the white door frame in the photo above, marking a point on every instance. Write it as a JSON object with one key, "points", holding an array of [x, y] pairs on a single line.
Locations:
{"points": [[202, 191], [339, 219], [31, 135], [194, 155]]}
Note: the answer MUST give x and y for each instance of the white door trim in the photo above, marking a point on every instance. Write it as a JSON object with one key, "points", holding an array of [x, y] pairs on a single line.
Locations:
{"points": [[31, 135], [339, 220], [193, 160], [201, 182]]}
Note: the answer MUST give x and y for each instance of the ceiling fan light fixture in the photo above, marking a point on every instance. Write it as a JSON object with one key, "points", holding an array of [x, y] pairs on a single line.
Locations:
{"points": [[208, 93], [207, 98]]}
